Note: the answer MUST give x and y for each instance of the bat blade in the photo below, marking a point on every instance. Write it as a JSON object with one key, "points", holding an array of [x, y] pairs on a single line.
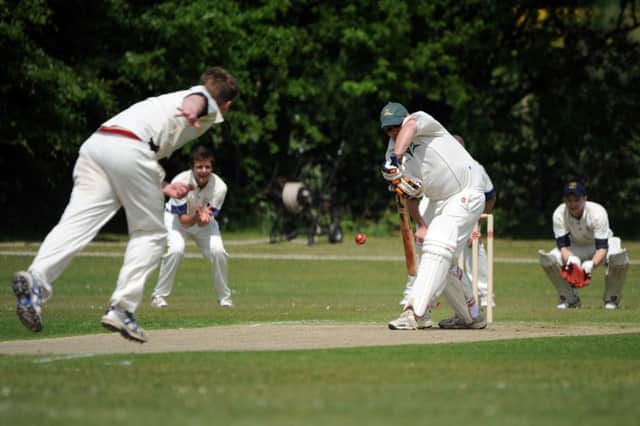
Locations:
{"points": [[408, 240]]}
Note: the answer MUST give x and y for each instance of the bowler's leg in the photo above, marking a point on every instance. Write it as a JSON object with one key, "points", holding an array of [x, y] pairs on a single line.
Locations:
{"points": [[91, 205]]}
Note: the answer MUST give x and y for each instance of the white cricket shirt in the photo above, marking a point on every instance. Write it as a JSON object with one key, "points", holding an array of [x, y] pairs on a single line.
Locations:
{"points": [[211, 195], [155, 119], [442, 163], [593, 225]]}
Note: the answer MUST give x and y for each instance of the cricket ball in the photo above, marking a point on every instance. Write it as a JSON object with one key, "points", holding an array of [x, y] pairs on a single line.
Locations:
{"points": [[361, 238]]}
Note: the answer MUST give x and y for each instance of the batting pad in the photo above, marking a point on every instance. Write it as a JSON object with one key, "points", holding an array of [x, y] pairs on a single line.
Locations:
{"points": [[454, 293], [430, 281], [615, 277], [458, 276], [438, 249]]}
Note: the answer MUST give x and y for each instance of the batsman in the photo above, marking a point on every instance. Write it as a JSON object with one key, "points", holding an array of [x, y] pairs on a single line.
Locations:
{"points": [[427, 161], [584, 241]]}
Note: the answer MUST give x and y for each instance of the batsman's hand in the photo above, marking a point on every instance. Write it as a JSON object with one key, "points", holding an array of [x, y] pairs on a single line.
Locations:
{"points": [[408, 187], [421, 233], [191, 107], [177, 190], [391, 170]]}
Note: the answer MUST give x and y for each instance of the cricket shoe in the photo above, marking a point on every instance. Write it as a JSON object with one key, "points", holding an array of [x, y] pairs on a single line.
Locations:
{"points": [[226, 303], [569, 305], [424, 322], [125, 323], [456, 323], [484, 301], [29, 295], [406, 321], [159, 302], [448, 322], [610, 305]]}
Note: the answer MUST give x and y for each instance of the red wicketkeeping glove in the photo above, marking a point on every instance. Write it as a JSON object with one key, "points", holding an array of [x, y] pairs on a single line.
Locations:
{"points": [[575, 275]]}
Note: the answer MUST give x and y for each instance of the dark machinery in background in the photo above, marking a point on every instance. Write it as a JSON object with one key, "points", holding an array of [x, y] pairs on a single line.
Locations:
{"points": [[305, 204]]}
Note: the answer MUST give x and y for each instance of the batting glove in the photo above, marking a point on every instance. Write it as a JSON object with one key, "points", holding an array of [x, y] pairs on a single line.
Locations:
{"points": [[409, 188], [391, 170]]}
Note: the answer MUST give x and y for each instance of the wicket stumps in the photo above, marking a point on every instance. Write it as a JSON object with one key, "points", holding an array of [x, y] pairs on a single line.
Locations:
{"points": [[475, 241]]}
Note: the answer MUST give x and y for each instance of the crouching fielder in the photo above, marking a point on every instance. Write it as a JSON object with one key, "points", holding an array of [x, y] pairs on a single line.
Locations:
{"points": [[427, 161], [195, 215], [583, 238]]}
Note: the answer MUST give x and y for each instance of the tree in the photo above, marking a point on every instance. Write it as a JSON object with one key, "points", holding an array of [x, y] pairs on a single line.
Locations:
{"points": [[540, 91]]}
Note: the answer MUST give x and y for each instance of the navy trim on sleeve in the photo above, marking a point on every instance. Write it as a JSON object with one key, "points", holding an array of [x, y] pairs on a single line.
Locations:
{"points": [[205, 110], [563, 241], [602, 243], [490, 195], [182, 209]]}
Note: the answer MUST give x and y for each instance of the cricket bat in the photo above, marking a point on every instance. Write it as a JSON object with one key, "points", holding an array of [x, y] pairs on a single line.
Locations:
{"points": [[408, 240]]}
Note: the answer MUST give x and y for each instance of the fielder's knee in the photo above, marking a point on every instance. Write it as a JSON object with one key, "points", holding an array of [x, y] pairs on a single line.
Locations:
{"points": [[216, 253], [176, 248]]}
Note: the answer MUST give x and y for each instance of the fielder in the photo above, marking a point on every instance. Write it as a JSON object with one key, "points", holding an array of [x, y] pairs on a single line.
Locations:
{"points": [[584, 240], [464, 277], [118, 167], [427, 161], [195, 215]]}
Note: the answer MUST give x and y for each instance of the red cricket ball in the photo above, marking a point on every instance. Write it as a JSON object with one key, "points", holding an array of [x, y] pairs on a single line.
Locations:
{"points": [[361, 238]]}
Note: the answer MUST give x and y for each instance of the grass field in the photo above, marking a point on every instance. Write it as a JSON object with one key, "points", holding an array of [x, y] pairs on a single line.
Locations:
{"points": [[559, 381]]}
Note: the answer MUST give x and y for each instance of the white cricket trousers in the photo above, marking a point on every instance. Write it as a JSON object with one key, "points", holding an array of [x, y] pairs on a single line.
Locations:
{"points": [[112, 171], [448, 232], [483, 271], [209, 240]]}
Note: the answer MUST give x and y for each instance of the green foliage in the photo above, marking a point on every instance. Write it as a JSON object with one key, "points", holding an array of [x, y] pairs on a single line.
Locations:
{"points": [[541, 93]]}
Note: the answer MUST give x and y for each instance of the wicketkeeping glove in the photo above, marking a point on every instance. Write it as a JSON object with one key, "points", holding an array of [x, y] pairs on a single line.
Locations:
{"points": [[587, 266], [574, 260], [575, 275], [391, 170]]}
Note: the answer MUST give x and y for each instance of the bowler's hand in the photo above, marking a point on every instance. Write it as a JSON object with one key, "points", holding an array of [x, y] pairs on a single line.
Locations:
{"points": [[177, 190], [191, 108]]}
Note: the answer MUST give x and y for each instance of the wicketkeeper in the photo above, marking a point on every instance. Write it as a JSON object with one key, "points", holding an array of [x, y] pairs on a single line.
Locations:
{"points": [[195, 215], [584, 242]]}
